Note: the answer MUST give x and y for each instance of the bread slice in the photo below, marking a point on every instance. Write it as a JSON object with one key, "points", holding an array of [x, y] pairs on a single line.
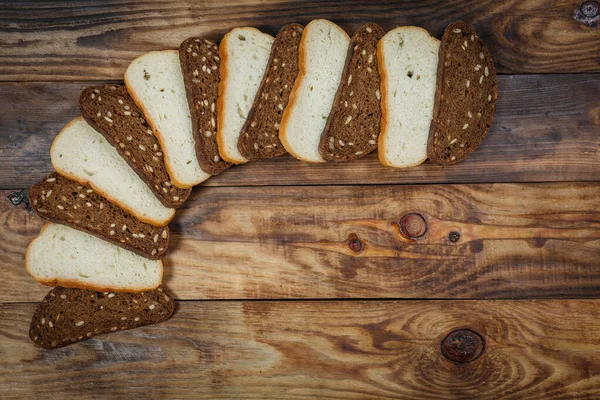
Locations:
{"points": [[62, 200], [322, 56], [63, 256], [244, 55], [259, 138], [199, 59], [465, 98], [354, 123], [155, 83], [68, 315], [408, 58], [80, 153], [111, 111]]}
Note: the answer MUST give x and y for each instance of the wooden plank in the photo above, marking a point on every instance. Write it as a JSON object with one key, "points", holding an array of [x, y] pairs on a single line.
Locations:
{"points": [[546, 129], [62, 40], [325, 350], [516, 241]]}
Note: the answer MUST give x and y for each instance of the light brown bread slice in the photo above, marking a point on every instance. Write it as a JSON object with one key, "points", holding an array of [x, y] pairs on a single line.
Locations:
{"points": [[199, 59], [465, 97], [260, 135], [355, 121], [66, 316]]}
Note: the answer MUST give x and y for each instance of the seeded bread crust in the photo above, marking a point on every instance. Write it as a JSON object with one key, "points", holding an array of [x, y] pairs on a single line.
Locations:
{"points": [[465, 97], [66, 316], [62, 200], [354, 124], [260, 135], [111, 111], [199, 59]]}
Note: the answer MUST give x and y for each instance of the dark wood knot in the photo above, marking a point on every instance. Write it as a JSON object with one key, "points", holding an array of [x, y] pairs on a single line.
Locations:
{"points": [[21, 196], [454, 236], [355, 244], [413, 226], [463, 346], [588, 12]]}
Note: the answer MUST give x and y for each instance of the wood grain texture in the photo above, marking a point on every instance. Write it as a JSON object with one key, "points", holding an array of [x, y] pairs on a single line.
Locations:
{"points": [[62, 40], [516, 241], [546, 129], [325, 350]]}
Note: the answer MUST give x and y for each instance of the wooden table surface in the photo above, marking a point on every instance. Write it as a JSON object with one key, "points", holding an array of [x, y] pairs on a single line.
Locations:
{"points": [[292, 280]]}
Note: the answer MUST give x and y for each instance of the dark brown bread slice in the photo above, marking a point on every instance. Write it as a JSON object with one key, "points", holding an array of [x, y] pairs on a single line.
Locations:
{"points": [[111, 111], [259, 138], [66, 316], [59, 199], [199, 59], [354, 123], [465, 96]]}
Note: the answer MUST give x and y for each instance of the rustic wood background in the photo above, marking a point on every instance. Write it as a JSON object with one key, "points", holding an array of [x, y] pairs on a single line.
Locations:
{"points": [[293, 280]]}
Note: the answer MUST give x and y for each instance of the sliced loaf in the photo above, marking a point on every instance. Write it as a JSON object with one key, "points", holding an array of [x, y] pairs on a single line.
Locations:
{"points": [[80, 153], [199, 59], [408, 58], [155, 82], [354, 123], [244, 55], [111, 111], [259, 138], [323, 51], [68, 315], [465, 98], [64, 256], [62, 200]]}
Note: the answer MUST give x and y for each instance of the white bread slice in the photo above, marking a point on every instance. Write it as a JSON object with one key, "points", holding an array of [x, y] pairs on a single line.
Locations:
{"points": [[64, 256], [84, 155], [408, 58], [322, 56], [155, 82], [244, 56]]}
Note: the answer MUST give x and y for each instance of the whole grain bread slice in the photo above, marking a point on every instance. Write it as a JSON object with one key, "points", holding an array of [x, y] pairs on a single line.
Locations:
{"points": [[111, 111], [199, 59], [354, 123], [259, 138], [66, 316], [59, 199], [465, 97]]}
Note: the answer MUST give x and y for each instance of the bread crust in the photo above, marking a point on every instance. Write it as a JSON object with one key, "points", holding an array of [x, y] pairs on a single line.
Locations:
{"points": [[73, 283], [97, 189], [157, 132], [283, 127]]}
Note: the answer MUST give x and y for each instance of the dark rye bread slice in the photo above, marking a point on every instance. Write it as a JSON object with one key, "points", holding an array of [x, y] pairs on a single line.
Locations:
{"points": [[199, 59], [354, 123], [66, 316], [59, 199], [112, 112], [259, 138], [465, 96]]}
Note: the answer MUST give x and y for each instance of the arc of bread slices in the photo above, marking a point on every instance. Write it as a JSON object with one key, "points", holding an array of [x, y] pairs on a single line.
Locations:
{"points": [[322, 56], [244, 56], [155, 82], [82, 154], [408, 58], [64, 256]]}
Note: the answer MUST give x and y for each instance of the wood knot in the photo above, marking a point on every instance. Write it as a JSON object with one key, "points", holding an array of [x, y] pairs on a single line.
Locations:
{"points": [[21, 196], [355, 244], [413, 226], [588, 12], [454, 236], [463, 346]]}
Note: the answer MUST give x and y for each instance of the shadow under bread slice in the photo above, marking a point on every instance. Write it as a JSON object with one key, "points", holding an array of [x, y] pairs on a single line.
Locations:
{"points": [[110, 110], [465, 97], [354, 123], [199, 59], [66, 316], [59, 199], [259, 138]]}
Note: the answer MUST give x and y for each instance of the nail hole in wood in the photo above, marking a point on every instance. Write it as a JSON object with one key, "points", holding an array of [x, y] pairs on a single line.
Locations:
{"points": [[463, 346], [454, 236]]}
